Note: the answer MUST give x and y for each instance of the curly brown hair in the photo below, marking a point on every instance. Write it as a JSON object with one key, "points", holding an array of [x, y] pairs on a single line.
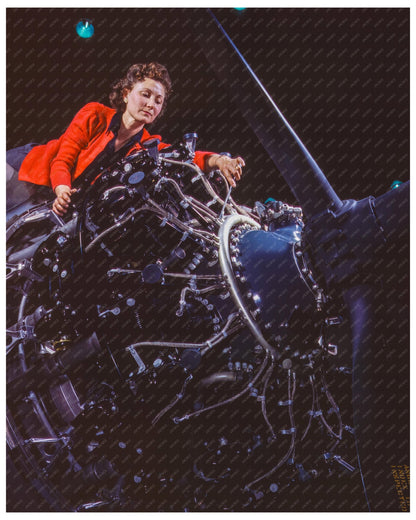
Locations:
{"points": [[139, 72]]}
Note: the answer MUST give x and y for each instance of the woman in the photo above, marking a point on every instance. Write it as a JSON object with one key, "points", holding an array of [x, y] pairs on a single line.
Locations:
{"points": [[99, 136]]}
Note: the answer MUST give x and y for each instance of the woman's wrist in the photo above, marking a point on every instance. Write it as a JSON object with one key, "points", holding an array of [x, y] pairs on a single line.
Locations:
{"points": [[211, 162], [61, 188]]}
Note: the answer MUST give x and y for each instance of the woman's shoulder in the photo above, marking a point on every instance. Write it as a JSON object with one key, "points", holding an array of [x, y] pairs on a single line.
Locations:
{"points": [[94, 116], [97, 108]]}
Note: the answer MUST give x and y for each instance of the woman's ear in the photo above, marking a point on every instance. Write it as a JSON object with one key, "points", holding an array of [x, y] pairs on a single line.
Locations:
{"points": [[125, 92]]}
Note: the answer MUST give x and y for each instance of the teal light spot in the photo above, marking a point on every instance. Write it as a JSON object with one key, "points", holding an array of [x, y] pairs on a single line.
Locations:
{"points": [[395, 184], [85, 29]]}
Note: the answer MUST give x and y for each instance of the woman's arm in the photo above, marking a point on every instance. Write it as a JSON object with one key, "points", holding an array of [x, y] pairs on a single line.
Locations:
{"points": [[82, 129]]}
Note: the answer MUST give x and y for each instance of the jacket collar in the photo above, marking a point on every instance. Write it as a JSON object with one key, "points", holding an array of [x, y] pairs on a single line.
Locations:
{"points": [[114, 127], [140, 137]]}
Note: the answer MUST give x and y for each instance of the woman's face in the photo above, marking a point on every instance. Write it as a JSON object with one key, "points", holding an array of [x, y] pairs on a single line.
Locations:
{"points": [[144, 101]]}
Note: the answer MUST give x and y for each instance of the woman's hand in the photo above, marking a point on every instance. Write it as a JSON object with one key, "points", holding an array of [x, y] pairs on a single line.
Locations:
{"points": [[63, 199], [230, 167]]}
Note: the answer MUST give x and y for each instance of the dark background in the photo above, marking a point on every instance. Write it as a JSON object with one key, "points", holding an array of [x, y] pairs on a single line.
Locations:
{"points": [[340, 77]]}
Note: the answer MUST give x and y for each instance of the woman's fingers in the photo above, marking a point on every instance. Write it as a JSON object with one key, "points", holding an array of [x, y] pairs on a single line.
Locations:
{"points": [[58, 208], [231, 168], [230, 178], [63, 199], [239, 163], [235, 170]]}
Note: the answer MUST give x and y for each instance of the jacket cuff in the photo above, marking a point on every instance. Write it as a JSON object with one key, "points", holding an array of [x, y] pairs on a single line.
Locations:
{"points": [[60, 177], [200, 157]]}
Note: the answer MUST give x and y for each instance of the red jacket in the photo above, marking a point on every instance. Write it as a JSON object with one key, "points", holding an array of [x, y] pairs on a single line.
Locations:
{"points": [[62, 160]]}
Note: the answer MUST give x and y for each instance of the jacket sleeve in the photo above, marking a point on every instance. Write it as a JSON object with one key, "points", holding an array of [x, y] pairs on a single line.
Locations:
{"points": [[78, 135], [200, 158]]}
